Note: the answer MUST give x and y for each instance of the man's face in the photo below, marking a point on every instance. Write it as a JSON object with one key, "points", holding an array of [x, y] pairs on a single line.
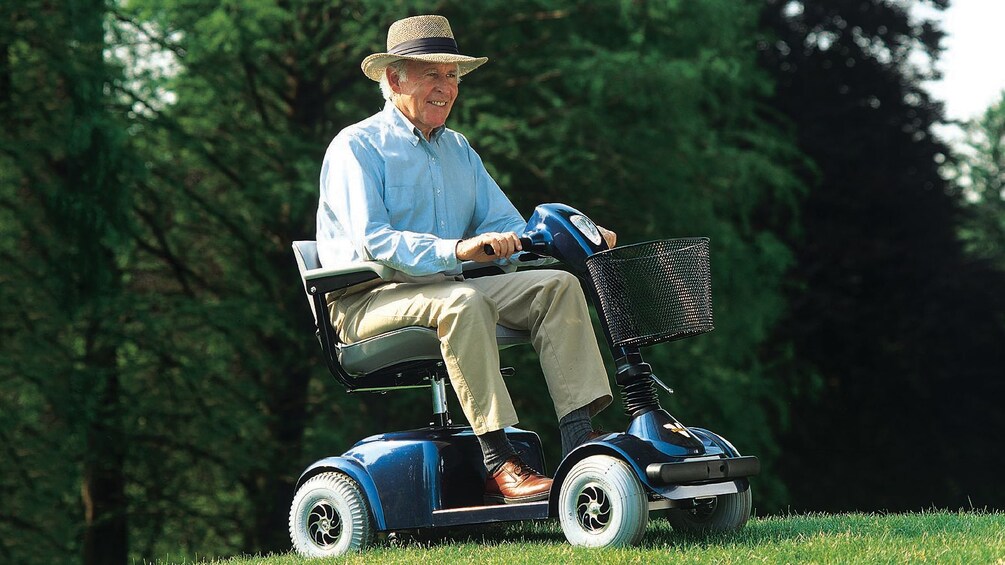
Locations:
{"points": [[427, 94]]}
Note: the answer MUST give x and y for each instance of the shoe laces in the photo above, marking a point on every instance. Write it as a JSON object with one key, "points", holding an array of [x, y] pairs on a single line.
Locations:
{"points": [[522, 469]]}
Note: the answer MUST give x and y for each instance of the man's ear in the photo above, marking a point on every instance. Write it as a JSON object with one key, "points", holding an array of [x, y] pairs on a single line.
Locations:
{"points": [[392, 80]]}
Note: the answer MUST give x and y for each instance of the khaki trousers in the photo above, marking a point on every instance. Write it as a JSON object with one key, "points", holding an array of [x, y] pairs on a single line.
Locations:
{"points": [[548, 303]]}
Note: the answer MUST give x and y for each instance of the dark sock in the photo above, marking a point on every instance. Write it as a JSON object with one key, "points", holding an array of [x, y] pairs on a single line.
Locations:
{"points": [[496, 449], [575, 428]]}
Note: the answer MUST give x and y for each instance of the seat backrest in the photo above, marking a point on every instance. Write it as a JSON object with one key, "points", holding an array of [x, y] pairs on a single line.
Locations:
{"points": [[409, 374], [306, 253]]}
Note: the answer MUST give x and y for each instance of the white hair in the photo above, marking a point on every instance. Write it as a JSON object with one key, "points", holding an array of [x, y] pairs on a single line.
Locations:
{"points": [[398, 68]]}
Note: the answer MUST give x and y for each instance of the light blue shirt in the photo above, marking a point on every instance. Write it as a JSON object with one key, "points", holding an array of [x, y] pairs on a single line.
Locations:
{"points": [[388, 195]]}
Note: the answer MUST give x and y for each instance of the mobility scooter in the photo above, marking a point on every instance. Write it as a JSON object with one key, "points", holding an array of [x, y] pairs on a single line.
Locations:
{"points": [[603, 491]]}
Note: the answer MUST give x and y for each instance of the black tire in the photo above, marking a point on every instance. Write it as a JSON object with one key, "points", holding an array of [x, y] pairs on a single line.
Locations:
{"points": [[329, 517], [727, 513]]}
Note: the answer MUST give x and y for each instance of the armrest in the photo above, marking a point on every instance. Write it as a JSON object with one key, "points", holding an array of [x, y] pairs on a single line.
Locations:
{"points": [[474, 269], [531, 259], [327, 279]]}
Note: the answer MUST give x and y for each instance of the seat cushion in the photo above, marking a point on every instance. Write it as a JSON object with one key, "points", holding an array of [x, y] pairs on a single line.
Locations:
{"points": [[412, 343]]}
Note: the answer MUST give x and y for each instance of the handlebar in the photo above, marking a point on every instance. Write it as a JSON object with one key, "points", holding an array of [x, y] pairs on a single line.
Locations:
{"points": [[559, 232], [525, 244]]}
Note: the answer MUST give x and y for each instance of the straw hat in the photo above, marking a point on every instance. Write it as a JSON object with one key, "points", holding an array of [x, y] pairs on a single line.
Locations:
{"points": [[420, 38]]}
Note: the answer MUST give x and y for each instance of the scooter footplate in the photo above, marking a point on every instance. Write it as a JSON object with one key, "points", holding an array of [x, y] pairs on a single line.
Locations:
{"points": [[489, 514]]}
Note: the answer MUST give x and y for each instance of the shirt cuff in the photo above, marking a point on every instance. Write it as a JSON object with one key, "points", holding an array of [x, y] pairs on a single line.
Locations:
{"points": [[446, 249]]}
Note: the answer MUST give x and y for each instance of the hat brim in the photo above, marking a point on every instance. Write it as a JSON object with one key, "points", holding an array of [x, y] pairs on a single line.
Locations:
{"points": [[374, 65]]}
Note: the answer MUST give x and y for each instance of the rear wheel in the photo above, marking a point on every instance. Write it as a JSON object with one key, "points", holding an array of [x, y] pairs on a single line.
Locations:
{"points": [[724, 513], [329, 517], [602, 504]]}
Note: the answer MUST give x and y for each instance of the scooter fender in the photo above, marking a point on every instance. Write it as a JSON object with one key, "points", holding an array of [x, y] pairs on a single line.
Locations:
{"points": [[714, 440], [358, 473], [636, 452]]}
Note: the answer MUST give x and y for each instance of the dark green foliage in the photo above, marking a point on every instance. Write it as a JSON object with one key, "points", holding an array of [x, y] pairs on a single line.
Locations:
{"points": [[979, 171], [65, 168], [899, 326], [159, 157]]}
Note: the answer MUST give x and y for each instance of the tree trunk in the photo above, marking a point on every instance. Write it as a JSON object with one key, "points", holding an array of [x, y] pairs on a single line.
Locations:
{"points": [[103, 488]]}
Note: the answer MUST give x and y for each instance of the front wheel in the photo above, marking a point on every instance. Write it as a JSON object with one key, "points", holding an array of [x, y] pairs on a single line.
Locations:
{"points": [[329, 517], [724, 513], [602, 504]]}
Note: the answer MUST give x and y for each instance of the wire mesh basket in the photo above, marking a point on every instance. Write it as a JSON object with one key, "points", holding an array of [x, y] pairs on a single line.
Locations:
{"points": [[655, 291]]}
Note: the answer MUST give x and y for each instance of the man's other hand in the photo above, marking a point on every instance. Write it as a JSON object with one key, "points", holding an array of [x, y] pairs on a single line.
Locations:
{"points": [[610, 237], [473, 249]]}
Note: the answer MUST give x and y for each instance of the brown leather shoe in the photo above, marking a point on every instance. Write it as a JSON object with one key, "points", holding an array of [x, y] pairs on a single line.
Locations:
{"points": [[515, 482]]}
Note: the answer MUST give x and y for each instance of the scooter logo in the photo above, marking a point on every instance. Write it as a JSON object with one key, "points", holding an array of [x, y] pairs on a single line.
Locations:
{"points": [[676, 427]]}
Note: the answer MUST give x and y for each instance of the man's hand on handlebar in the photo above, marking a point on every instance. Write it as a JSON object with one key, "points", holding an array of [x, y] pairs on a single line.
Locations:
{"points": [[610, 237], [475, 248], [488, 247]]}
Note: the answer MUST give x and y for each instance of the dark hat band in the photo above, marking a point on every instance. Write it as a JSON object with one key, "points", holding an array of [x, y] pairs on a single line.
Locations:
{"points": [[426, 46]]}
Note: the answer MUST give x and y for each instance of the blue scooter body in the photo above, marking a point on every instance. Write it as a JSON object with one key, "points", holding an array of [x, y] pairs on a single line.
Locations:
{"points": [[430, 477], [434, 477]]}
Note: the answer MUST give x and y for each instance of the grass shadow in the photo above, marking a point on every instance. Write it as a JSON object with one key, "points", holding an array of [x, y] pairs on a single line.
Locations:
{"points": [[537, 531], [774, 530]]}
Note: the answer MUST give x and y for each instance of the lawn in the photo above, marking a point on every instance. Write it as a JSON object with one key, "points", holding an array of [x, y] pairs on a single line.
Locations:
{"points": [[929, 537]]}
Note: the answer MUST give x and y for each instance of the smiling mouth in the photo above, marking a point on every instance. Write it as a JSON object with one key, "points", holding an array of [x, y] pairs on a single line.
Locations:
{"points": [[437, 103]]}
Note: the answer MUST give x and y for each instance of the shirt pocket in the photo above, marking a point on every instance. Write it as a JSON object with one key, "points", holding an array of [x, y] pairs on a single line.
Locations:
{"points": [[409, 203]]}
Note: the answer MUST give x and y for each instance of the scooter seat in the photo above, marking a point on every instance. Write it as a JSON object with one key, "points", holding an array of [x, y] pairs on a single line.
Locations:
{"points": [[403, 345]]}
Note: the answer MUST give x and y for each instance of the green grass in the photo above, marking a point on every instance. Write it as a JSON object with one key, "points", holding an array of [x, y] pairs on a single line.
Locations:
{"points": [[931, 537]]}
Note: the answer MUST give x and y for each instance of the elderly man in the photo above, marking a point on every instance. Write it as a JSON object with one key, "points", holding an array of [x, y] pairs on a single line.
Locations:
{"points": [[402, 189]]}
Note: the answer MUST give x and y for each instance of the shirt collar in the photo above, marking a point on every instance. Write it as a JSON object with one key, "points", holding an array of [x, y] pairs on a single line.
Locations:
{"points": [[400, 124]]}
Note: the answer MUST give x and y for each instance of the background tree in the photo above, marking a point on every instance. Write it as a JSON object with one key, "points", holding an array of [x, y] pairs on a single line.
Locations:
{"points": [[897, 326], [65, 174], [979, 171], [231, 158]]}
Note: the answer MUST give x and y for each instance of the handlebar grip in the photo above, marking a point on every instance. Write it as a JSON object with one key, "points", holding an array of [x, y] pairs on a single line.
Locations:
{"points": [[525, 243]]}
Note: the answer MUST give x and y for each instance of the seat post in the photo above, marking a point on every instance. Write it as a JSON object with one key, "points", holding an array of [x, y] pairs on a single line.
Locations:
{"points": [[441, 417]]}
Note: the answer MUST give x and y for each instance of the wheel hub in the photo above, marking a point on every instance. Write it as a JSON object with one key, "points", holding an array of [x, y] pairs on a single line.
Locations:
{"points": [[593, 509], [323, 524]]}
